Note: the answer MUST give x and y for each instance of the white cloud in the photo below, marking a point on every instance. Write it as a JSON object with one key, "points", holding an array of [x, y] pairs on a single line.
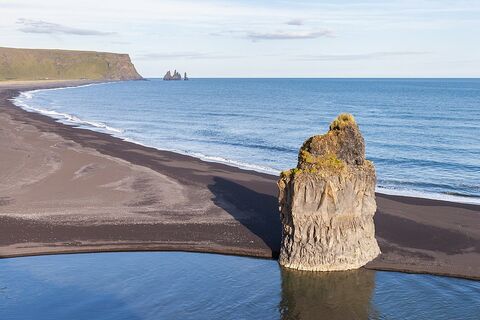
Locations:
{"points": [[295, 22], [359, 56], [371, 37], [289, 35], [183, 55], [39, 26]]}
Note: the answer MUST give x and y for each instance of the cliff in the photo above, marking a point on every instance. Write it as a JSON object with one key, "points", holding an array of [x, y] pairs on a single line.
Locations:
{"points": [[327, 202], [46, 64]]}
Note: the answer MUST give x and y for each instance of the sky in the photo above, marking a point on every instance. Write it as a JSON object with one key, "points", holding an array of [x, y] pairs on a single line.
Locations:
{"points": [[220, 38]]}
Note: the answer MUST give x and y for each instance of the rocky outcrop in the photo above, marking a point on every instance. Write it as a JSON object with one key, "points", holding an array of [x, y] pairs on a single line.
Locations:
{"points": [[185, 77], [176, 76], [49, 64], [167, 76], [327, 202]]}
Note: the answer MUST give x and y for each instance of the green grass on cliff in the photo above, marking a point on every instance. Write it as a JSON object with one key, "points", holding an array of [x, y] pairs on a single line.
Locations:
{"points": [[46, 64]]}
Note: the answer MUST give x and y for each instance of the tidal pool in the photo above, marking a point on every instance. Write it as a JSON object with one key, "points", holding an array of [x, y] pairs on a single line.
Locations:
{"points": [[175, 285]]}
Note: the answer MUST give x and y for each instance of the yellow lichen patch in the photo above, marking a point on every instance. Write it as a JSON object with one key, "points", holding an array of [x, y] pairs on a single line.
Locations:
{"points": [[342, 121], [307, 157], [290, 172], [369, 164], [329, 161], [286, 173], [312, 170], [296, 171]]}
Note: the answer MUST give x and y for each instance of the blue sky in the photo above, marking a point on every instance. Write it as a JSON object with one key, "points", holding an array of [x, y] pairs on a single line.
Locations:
{"points": [[260, 38]]}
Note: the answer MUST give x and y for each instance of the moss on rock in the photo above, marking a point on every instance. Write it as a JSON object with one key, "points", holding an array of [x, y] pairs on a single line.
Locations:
{"points": [[333, 152], [343, 120]]}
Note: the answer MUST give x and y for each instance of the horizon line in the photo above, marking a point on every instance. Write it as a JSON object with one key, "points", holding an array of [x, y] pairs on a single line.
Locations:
{"points": [[313, 78]]}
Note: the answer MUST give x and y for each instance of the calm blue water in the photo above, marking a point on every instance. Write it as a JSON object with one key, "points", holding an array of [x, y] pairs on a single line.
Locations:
{"points": [[423, 135], [203, 286]]}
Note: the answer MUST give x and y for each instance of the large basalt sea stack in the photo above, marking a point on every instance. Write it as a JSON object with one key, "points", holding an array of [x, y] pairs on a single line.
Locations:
{"points": [[327, 202]]}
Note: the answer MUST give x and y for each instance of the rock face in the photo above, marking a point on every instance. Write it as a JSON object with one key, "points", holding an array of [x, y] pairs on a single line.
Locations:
{"points": [[327, 203], [176, 76]]}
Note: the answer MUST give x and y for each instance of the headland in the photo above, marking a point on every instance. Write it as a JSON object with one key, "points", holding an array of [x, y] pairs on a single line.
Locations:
{"points": [[51, 64]]}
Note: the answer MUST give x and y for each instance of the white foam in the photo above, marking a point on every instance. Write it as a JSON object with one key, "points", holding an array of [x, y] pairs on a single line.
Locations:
{"points": [[23, 98], [31, 92], [234, 163], [428, 195], [66, 118], [27, 95], [215, 159], [276, 172]]}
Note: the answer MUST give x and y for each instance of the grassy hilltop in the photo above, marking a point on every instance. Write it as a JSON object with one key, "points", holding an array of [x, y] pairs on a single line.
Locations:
{"points": [[47, 64]]}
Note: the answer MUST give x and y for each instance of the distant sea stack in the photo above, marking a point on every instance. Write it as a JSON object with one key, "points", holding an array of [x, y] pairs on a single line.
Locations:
{"points": [[327, 203], [176, 76], [50, 64]]}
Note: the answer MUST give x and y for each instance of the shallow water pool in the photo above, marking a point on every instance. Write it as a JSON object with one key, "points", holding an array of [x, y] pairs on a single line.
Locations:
{"points": [[174, 285]]}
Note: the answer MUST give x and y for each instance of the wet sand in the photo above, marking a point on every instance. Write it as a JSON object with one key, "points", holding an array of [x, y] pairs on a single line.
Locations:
{"points": [[67, 190]]}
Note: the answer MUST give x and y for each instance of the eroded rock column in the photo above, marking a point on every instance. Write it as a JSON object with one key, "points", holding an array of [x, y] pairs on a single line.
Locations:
{"points": [[327, 203]]}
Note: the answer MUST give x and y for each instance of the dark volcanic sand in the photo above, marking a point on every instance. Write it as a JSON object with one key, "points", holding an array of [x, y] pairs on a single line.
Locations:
{"points": [[65, 189]]}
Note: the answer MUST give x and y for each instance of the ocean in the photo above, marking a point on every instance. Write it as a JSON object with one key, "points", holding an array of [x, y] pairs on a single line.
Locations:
{"points": [[422, 134]]}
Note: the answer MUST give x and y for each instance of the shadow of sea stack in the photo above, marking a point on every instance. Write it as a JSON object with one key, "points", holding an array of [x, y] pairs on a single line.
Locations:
{"points": [[327, 203]]}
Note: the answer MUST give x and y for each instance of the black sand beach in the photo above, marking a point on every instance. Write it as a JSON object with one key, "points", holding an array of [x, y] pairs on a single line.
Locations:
{"points": [[67, 190]]}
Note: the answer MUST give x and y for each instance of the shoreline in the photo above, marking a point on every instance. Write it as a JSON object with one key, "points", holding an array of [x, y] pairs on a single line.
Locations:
{"points": [[83, 124], [222, 209]]}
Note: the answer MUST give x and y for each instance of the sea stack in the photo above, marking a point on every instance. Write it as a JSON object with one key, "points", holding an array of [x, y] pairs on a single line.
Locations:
{"points": [[327, 203], [176, 76]]}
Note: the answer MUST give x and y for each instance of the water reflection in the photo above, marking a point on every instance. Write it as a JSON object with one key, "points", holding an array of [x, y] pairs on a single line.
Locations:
{"points": [[173, 285], [327, 295]]}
